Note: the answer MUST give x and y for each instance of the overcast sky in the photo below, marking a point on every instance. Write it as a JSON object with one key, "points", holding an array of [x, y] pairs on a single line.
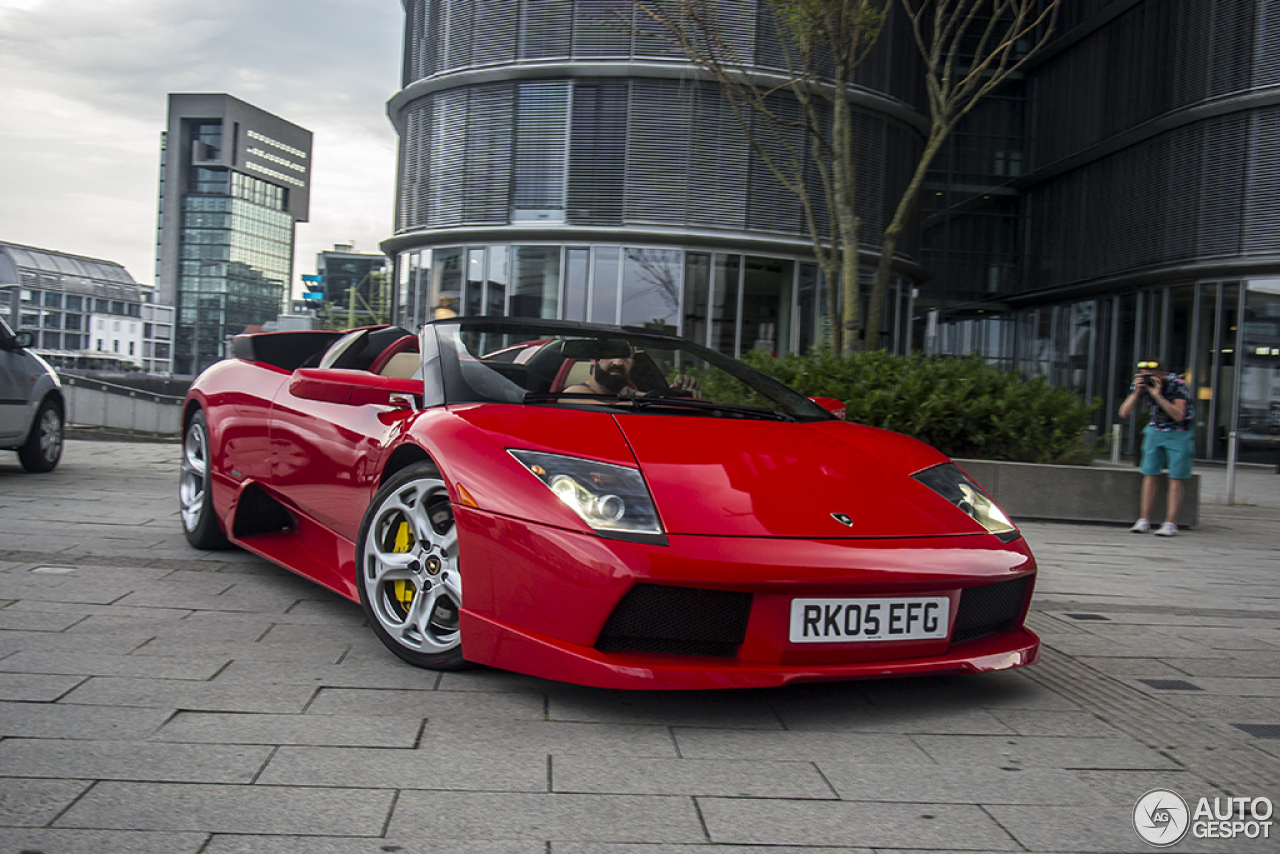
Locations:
{"points": [[83, 86]]}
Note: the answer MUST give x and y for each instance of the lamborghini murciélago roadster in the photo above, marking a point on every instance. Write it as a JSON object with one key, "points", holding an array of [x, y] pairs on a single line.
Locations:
{"points": [[600, 505]]}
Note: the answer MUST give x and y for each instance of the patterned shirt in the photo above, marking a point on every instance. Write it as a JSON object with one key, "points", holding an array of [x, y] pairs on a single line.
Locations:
{"points": [[1173, 388]]}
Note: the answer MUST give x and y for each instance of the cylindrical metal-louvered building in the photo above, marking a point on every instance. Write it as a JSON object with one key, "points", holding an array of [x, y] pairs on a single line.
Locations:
{"points": [[558, 161]]}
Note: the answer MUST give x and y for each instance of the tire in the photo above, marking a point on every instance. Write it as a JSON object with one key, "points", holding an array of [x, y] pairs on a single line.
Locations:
{"points": [[43, 448], [407, 569], [195, 500]]}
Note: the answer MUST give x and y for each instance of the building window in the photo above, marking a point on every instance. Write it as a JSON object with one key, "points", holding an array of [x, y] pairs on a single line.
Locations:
{"points": [[651, 289], [604, 284], [535, 277], [541, 157]]}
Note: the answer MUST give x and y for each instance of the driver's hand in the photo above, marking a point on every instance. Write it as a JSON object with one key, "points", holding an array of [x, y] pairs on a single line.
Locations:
{"points": [[684, 382]]}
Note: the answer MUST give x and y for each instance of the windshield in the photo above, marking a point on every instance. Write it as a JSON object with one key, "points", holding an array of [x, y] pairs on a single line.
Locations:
{"points": [[547, 363]]}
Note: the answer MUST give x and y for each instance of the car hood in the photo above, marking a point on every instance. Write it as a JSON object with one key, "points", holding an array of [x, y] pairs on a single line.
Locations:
{"points": [[750, 478]]}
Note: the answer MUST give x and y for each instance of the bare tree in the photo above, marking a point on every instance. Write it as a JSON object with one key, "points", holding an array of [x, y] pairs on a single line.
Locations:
{"points": [[822, 42], [969, 48]]}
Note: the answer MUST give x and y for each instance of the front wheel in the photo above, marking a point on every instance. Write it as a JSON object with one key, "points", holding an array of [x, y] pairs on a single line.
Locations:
{"points": [[43, 448], [195, 500], [407, 568]]}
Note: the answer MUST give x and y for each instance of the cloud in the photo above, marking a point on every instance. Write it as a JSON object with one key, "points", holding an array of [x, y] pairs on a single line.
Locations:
{"points": [[84, 103]]}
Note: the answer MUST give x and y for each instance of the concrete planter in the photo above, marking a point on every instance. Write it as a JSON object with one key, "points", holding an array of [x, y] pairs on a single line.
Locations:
{"points": [[1101, 493]]}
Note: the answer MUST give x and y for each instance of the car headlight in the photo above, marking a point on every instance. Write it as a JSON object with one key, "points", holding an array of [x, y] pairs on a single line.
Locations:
{"points": [[613, 500], [949, 481]]}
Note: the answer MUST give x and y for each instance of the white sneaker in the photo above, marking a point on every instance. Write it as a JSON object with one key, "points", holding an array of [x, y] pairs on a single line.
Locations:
{"points": [[1168, 529], [1142, 526]]}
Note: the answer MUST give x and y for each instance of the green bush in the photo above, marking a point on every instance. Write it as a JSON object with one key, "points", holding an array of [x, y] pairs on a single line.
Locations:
{"points": [[962, 406]]}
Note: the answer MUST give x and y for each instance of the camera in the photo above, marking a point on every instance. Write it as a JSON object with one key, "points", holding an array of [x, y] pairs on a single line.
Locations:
{"points": [[1152, 382]]}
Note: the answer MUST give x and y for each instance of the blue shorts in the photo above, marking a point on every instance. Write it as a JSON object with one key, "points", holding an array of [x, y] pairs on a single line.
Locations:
{"points": [[1173, 450]]}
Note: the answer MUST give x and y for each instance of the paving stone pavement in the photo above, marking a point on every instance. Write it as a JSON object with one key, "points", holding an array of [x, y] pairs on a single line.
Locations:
{"points": [[158, 699]]}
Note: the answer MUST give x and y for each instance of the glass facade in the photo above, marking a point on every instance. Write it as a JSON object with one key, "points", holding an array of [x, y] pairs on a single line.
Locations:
{"points": [[1222, 337], [730, 301], [236, 255]]}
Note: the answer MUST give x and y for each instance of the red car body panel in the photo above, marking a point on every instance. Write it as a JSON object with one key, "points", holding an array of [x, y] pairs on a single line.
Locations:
{"points": [[746, 505]]}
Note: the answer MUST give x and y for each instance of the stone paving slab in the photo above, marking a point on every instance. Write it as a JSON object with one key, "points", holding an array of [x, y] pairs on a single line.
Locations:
{"points": [[1071, 724], [36, 688], [388, 673], [582, 774], [32, 803], [57, 721], [186, 694], [49, 642], [231, 809], [335, 730], [582, 818], [597, 848], [16, 618], [549, 737], [249, 648], [131, 760], [434, 705], [96, 664], [1042, 752], [956, 784], [460, 768], [230, 844], [100, 841], [872, 825], [708, 743], [741, 710]]}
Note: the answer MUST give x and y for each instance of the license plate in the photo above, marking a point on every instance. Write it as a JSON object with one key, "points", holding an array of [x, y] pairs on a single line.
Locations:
{"points": [[853, 620]]}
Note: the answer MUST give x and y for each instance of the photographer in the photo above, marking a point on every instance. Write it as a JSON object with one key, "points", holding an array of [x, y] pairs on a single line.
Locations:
{"points": [[1167, 442]]}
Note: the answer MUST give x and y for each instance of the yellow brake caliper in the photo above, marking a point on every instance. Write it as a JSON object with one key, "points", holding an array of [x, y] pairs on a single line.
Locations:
{"points": [[403, 589]]}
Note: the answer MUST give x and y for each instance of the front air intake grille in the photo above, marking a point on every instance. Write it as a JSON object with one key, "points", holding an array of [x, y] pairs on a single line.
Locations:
{"points": [[677, 621], [989, 609]]}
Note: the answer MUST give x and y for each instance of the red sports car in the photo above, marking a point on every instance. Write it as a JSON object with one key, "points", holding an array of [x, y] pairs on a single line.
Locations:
{"points": [[601, 505]]}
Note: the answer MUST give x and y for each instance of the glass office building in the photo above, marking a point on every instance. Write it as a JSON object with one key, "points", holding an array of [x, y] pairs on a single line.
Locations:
{"points": [[234, 181]]}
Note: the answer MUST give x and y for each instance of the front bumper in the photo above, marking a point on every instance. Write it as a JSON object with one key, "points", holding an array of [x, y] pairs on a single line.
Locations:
{"points": [[537, 599]]}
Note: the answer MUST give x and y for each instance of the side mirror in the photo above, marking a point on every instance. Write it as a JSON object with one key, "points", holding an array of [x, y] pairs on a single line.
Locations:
{"points": [[835, 407], [352, 388], [22, 340]]}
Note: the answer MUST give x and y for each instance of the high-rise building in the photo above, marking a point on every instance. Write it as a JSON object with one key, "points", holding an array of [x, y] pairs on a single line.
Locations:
{"points": [[234, 181]]}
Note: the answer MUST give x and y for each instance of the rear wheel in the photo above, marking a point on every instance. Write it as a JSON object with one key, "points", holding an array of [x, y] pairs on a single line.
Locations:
{"points": [[195, 500], [43, 447], [407, 567]]}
